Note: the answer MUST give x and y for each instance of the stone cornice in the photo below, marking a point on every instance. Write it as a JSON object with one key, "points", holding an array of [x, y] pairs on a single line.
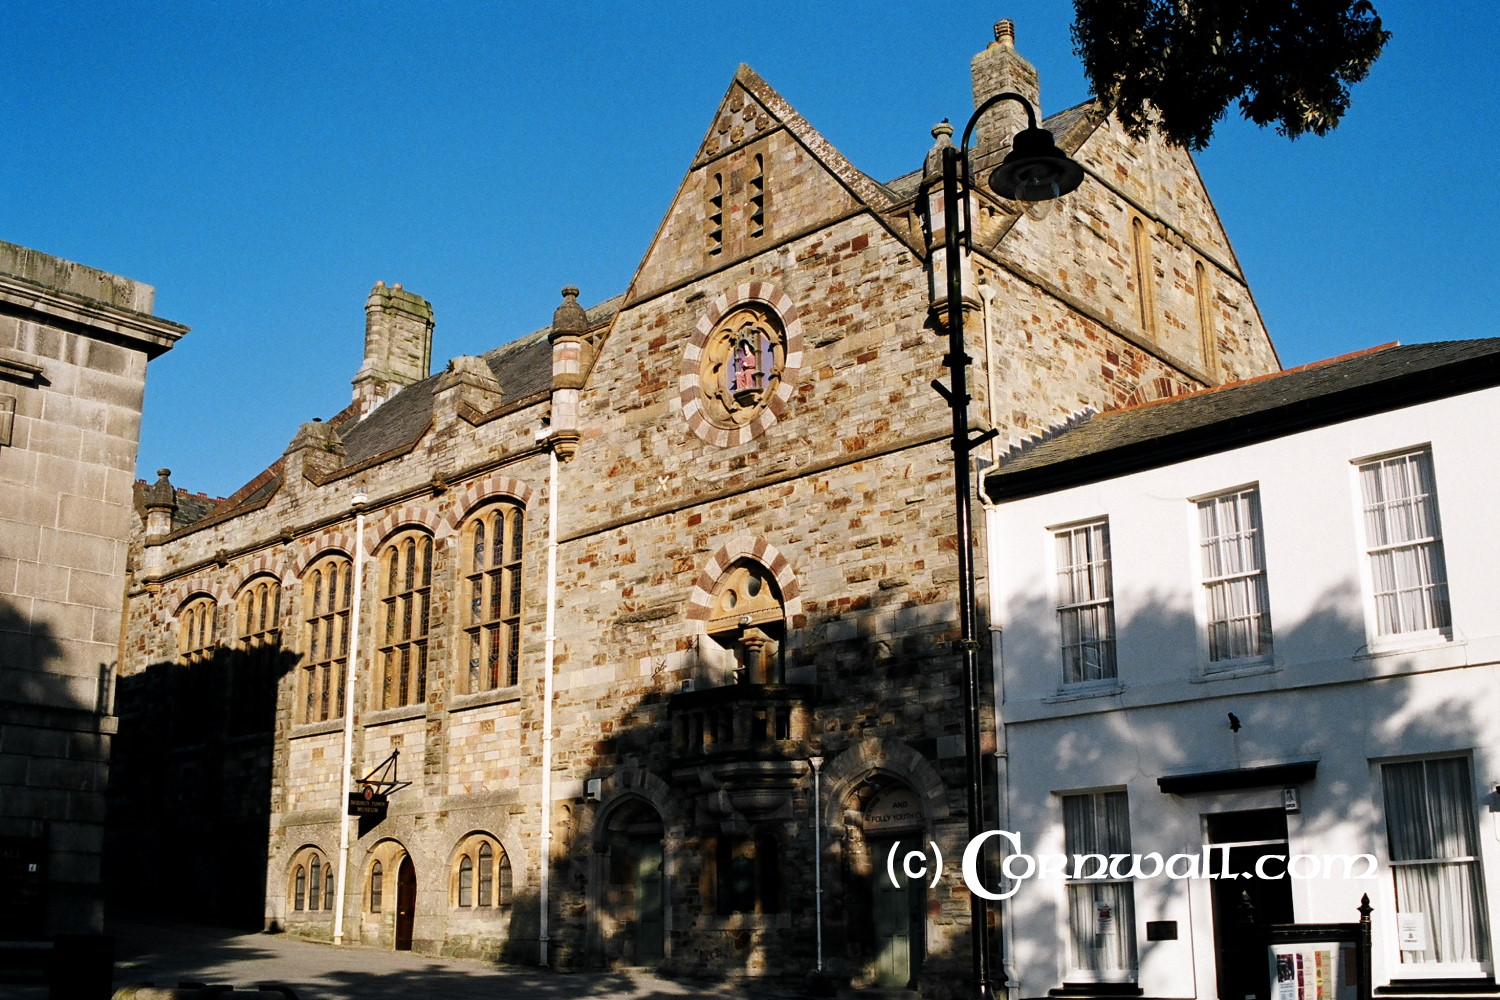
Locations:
{"points": [[145, 332]]}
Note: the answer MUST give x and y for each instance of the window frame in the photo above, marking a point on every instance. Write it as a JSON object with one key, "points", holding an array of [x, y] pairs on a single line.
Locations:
{"points": [[478, 884], [492, 597], [1106, 640], [1468, 810], [1257, 579], [257, 628], [402, 653], [324, 677], [1098, 802], [1437, 606]]}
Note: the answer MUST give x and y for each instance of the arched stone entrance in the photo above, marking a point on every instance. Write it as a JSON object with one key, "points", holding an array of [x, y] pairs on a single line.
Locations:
{"points": [[632, 912], [406, 902], [887, 813]]}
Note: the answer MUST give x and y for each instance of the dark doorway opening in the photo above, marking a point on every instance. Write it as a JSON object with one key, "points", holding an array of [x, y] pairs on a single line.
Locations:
{"points": [[1243, 906]]}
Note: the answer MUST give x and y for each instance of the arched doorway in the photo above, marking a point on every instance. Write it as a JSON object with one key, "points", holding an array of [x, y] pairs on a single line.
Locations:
{"points": [[634, 905], [406, 902], [894, 935]]}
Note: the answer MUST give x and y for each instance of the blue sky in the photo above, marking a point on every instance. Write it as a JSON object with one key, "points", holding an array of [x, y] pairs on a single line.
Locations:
{"points": [[262, 164]]}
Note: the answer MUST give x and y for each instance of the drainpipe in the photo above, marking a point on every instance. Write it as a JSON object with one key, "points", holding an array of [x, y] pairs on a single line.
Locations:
{"points": [[358, 503], [545, 882], [817, 769]]}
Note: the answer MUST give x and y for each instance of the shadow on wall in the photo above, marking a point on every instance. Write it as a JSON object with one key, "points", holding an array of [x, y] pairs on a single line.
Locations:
{"points": [[28, 654], [1317, 701], [190, 786]]}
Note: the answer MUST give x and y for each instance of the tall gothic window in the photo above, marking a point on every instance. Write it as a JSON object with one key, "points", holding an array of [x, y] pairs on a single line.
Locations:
{"points": [[195, 638], [492, 618], [252, 707], [1145, 274], [406, 610], [327, 590]]}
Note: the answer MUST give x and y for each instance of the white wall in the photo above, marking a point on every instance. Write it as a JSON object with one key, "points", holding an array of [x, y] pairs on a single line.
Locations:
{"points": [[1331, 691]]}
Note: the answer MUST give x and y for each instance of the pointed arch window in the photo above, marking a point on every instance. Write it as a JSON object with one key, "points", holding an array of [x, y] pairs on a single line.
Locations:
{"points": [[494, 540], [328, 588], [377, 887], [406, 612], [195, 640], [252, 707]]}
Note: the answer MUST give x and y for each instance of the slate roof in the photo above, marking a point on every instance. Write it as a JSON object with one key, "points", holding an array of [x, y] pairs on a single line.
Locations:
{"points": [[1259, 409]]}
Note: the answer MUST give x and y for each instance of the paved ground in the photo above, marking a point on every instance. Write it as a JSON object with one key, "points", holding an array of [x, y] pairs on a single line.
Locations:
{"points": [[166, 955]]}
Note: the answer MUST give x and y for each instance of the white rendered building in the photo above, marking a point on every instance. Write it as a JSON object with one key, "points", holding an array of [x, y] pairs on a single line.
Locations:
{"points": [[1265, 618]]}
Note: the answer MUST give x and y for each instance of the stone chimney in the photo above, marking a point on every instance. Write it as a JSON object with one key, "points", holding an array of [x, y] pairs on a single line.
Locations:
{"points": [[398, 345], [996, 70]]}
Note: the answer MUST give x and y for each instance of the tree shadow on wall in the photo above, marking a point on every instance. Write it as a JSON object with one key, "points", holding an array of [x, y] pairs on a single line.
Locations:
{"points": [[190, 786]]}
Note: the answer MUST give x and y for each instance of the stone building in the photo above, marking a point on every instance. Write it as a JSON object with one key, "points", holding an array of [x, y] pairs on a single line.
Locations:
{"points": [[74, 343], [594, 601]]}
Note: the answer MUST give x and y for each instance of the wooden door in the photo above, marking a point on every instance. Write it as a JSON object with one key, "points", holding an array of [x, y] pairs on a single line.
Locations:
{"points": [[648, 904], [406, 903], [893, 927]]}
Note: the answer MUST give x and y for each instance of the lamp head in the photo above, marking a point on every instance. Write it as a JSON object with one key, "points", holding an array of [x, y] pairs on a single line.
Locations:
{"points": [[1035, 169]]}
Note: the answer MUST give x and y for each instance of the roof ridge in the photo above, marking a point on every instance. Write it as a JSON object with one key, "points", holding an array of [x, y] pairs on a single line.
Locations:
{"points": [[1252, 379]]}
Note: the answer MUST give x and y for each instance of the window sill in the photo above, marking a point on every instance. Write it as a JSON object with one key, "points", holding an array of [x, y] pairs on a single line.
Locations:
{"points": [[385, 716], [1079, 692], [479, 699], [1237, 668], [1408, 642], [304, 729]]}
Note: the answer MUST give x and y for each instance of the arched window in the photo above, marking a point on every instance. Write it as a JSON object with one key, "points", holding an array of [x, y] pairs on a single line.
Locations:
{"points": [[1145, 274], [492, 619], [748, 624], [466, 881], [315, 884], [195, 637], [252, 706], [327, 589], [486, 874], [1208, 335], [328, 887], [481, 860], [299, 889], [406, 606], [377, 887]]}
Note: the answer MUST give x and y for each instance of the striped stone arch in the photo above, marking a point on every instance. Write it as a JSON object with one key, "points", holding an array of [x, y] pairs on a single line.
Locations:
{"points": [[265, 564], [333, 541], [400, 518], [689, 388], [847, 773], [179, 592], [484, 490], [756, 549]]}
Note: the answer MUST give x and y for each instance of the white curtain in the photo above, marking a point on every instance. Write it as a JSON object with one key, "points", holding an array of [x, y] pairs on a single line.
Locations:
{"points": [[1101, 914], [1239, 622], [1406, 549], [1085, 603], [1434, 846]]}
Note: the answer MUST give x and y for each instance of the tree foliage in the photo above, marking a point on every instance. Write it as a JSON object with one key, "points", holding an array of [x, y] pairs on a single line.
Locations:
{"points": [[1178, 64]]}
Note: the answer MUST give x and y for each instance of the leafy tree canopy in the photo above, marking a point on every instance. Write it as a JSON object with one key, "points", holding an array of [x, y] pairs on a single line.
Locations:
{"points": [[1177, 64]]}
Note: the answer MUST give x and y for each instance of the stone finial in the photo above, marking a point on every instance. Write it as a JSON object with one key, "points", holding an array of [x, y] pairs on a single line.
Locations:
{"points": [[160, 495], [570, 320], [1005, 32], [942, 135]]}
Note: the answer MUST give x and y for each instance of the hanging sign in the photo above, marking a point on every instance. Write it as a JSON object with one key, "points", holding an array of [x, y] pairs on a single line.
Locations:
{"points": [[367, 802]]}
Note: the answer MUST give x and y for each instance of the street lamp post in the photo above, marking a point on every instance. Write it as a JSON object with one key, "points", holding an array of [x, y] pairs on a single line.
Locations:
{"points": [[1035, 170]]}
